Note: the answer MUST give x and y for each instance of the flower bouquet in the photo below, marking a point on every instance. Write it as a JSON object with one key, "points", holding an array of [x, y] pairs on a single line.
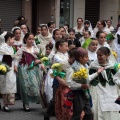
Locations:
{"points": [[4, 69], [81, 77], [45, 61], [57, 70]]}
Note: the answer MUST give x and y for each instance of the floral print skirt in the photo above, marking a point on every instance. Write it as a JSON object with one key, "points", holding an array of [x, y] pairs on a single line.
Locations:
{"points": [[62, 113]]}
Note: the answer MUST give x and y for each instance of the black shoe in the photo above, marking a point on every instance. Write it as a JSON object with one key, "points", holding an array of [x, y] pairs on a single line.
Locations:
{"points": [[6, 109], [46, 118], [26, 108]]}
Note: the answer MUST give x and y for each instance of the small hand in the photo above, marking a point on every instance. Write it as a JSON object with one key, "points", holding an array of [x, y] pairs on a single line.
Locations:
{"points": [[84, 86], [100, 70], [82, 115], [43, 67], [37, 61]]}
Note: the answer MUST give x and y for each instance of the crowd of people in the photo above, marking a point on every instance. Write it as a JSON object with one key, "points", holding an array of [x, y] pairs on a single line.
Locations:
{"points": [[77, 50]]}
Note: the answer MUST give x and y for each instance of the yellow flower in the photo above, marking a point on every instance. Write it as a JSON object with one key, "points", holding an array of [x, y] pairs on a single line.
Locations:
{"points": [[3, 68], [114, 54], [44, 59], [57, 66], [81, 74]]}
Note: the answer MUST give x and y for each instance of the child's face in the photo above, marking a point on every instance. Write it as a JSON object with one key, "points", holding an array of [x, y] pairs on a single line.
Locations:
{"points": [[51, 28], [48, 50], [102, 38], [63, 32], [44, 31], [17, 34], [93, 46], [30, 40], [71, 35], [38, 30], [57, 35], [102, 58], [84, 60], [87, 25], [24, 29], [11, 41], [64, 47], [86, 35]]}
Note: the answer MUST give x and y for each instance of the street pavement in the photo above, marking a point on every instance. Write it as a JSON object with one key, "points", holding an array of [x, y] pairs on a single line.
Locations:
{"points": [[17, 112]]}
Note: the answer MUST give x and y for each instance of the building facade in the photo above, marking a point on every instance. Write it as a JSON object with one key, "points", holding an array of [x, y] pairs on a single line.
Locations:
{"points": [[60, 11]]}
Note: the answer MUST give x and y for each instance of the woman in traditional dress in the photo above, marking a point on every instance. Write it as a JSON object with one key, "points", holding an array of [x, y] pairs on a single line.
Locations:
{"points": [[8, 81], [29, 73]]}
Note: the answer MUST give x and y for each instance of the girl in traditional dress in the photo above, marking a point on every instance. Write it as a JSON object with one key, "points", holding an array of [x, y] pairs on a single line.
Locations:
{"points": [[103, 88], [45, 38], [81, 104], [29, 72], [18, 41], [8, 81], [101, 36], [92, 50], [60, 57], [88, 26], [49, 80], [24, 30]]}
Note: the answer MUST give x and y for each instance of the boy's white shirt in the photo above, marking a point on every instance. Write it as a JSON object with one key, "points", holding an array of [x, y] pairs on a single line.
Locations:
{"points": [[69, 80]]}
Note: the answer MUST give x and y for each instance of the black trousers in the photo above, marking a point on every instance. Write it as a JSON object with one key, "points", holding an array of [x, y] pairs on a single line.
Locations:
{"points": [[81, 103], [51, 107]]}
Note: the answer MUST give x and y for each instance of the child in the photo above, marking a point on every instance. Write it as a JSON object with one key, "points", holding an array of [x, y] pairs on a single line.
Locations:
{"points": [[80, 101], [18, 41], [101, 36], [92, 50], [88, 26], [45, 38], [73, 42], [60, 57], [48, 49], [51, 26], [38, 31], [8, 81], [49, 80], [86, 35], [103, 89], [29, 73]]}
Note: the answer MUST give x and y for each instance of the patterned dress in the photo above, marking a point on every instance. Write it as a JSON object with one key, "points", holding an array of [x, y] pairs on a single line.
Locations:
{"points": [[104, 93], [61, 112], [8, 81], [29, 79]]}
